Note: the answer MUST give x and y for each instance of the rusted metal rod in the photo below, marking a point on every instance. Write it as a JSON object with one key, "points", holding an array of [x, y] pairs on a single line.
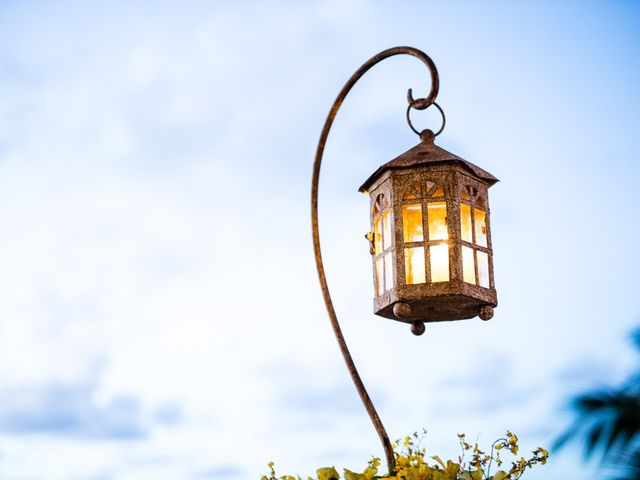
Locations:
{"points": [[419, 104]]}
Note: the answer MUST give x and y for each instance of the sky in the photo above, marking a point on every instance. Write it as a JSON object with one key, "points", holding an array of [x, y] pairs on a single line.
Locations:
{"points": [[161, 316]]}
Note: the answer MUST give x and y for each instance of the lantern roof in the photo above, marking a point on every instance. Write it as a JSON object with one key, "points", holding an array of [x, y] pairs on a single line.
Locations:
{"points": [[427, 153]]}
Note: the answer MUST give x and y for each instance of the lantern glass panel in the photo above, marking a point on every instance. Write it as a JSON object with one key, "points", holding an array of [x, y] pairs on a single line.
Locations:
{"points": [[483, 269], [481, 227], [412, 192], [437, 215], [468, 267], [412, 223], [465, 222], [427, 186], [439, 262], [388, 272], [386, 229], [379, 277], [438, 193], [377, 235], [414, 265]]}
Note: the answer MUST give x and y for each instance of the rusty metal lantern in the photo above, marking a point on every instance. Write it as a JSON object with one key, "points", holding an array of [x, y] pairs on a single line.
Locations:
{"points": [[430, 237]]}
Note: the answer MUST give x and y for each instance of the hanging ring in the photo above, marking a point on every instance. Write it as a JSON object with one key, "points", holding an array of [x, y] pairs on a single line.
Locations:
{"points": [[419, 106]]}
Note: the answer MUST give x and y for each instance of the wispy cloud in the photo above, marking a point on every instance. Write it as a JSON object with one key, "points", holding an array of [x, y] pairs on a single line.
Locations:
{"points": [[154, 170], [70, 411]]}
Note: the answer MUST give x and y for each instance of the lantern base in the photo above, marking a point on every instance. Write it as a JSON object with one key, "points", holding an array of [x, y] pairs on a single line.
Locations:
{"points": [[440, 309]]}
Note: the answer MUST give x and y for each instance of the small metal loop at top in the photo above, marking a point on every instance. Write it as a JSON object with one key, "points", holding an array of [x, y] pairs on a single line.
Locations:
{"points": [[420, 107]]}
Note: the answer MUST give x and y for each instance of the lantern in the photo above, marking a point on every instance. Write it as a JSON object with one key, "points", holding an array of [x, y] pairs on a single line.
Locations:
{"points": [[430, 237]]}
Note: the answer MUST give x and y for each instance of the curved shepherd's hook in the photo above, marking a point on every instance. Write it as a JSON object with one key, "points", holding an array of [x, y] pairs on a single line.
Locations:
{"points": [[419, 104]]}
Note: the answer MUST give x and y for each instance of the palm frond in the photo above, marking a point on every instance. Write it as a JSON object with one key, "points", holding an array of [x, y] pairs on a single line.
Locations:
{"points": [[635, 338], [627, 466], [607, 422]]}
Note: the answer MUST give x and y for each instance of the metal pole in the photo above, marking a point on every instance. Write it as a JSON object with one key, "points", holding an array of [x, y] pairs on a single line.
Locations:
{"points": [[419, 104]]}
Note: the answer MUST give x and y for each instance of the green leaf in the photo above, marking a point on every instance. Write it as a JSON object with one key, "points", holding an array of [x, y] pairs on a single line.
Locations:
{"points": [[370, 472], [499, 475], [328, 473], [438, 475], [452, 470], [439, 460], [475, 475], [478, 475], [349, 475]]}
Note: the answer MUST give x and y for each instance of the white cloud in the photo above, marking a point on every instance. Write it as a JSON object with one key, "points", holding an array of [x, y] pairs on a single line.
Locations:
{"points": [[154, 170]]}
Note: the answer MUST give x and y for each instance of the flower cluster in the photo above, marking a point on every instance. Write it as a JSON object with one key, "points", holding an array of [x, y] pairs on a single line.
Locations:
{"points": [[412, 463]]}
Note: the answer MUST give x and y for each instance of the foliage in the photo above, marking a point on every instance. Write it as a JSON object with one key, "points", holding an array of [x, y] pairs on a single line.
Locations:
{"points": [[607, 421], [412, 463]]}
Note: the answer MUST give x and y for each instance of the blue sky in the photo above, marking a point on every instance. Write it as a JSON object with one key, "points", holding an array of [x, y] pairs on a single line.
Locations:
{"points": [[161, 316]]}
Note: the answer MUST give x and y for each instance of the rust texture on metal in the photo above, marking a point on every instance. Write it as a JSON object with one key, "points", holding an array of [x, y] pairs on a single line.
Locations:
{"points": [[419, 104], [417, 328], [427, 153], [436, 177]]}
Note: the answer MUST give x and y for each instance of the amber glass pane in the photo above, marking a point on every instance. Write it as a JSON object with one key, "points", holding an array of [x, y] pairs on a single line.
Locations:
{"points": [[388, 272], [439, 256], [386, 229], [414, 265], [465, 222], [412, 223], [380, 204], [379, 277], [437, 216], [438, 193], [483, 269], [481, 227], [468, 268], [412, 192], [377, 235], [428, 185]]}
